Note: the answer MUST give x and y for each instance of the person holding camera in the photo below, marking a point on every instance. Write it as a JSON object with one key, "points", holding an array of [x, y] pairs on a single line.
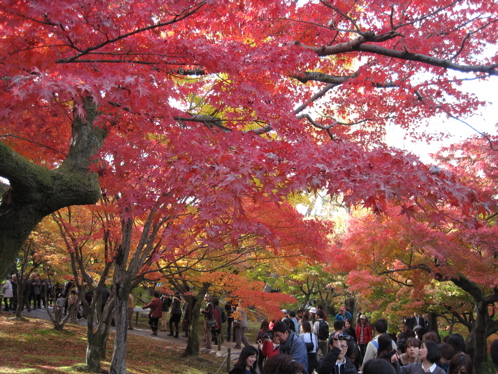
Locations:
{"points": [[336, 362]]}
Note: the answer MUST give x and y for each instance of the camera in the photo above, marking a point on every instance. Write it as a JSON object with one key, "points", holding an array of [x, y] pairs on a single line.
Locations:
{"points": [[343, 336], [268, 335]]}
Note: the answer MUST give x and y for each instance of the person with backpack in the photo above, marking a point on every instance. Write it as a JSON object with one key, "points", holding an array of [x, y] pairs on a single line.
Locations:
{"points": [[322, 330], [372, 347]]}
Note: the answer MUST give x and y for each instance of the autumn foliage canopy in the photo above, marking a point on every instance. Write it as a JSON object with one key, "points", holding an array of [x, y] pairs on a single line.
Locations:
{"points": [[168, 103]]}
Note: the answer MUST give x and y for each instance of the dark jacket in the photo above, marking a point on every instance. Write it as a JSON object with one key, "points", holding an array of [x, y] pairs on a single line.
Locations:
{"points": [[241, 371], [326, 365]]}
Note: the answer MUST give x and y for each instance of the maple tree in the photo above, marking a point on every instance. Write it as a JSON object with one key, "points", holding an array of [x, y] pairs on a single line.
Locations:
{"points": [[84, 81], [409, 256]]}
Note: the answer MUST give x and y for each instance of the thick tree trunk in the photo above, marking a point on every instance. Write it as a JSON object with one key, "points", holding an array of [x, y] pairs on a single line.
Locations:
{"points": [[192, 348], [433, 321], [98, 336], [36, 191], [477, 337]]}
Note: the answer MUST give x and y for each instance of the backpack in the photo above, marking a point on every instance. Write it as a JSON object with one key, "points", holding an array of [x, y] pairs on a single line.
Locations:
{"points": [[323, 330]]}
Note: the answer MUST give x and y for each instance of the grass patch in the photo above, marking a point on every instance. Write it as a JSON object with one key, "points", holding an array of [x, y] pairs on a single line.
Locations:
{"points": [[32, 346]]}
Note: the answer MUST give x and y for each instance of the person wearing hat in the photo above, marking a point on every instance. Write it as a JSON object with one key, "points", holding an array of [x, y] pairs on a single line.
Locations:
{"points": [[343, 314], [363, 333], [312, 314]]}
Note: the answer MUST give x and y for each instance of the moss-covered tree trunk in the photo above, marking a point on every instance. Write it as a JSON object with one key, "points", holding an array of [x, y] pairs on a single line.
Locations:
{"points": [[36, 191]]}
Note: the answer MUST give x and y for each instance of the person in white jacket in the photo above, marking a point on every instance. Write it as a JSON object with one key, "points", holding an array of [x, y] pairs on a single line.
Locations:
{"points": [[8, 294]]}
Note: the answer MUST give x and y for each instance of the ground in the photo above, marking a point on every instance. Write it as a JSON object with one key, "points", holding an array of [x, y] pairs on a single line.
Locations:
{"points": [[32, 346]]}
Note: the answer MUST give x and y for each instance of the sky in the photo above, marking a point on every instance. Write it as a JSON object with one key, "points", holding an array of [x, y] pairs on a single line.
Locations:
{"points": [[485, 121]]}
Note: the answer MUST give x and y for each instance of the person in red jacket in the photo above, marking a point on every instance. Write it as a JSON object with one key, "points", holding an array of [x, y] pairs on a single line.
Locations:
{"points": [[156, 311], [363, 333]]}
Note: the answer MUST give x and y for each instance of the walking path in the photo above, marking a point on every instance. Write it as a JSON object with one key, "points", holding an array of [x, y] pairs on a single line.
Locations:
{"points": [[140, 329]]}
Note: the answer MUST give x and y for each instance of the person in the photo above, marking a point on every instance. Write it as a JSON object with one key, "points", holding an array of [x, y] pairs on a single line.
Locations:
{"points": [[166, 303], [131, 308], [290, 344], [321, 330], [457, 342], [432, 335], [36, 291], [41, 296], [260, 338], [338, 325], [404, 335], [305, 316], [461, 363], [229, 310], [73, 303], [246, 364], [312, 314], [336, 361], [429, 354], [417, 321], [354, 354], [59, 307], [493, 352], [348, 329], [386, 352], [320, 307], [218, 314], [378, 366], [15, 297], [309, 338], [26, 294], [240, 325], [343, 314], [371, 351], [292, 317], [208, 320], [176, 315], [270, 345], [155, 312], [412, 347], [447, 352], [282, 364], [188, 314], [363, 333], [8, 294]]}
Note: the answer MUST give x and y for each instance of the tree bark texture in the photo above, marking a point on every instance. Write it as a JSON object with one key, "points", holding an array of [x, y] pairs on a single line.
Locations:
{"points": [[36, 191]]}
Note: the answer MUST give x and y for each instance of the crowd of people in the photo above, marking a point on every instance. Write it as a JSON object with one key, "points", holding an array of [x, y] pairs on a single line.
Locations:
{"points": [[303, 342], [37, 293], [306, 343]]}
